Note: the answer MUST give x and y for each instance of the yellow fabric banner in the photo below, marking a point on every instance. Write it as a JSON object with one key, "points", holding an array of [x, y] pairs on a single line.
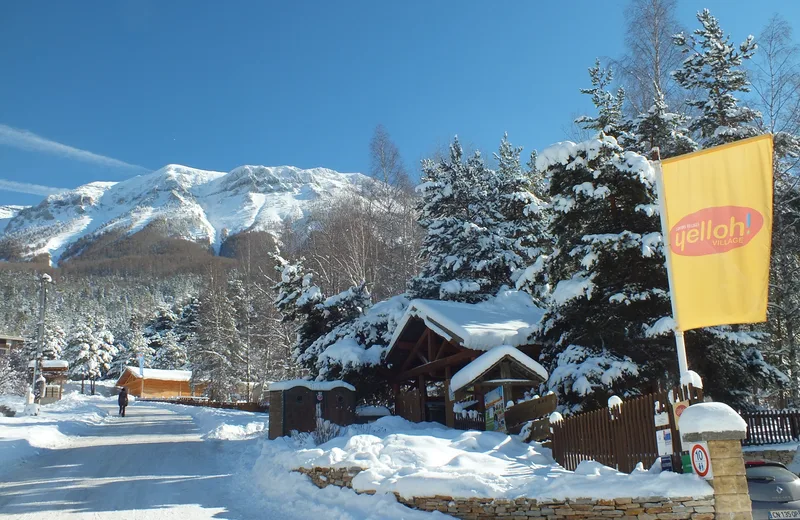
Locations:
{"points": [[718, 206]]}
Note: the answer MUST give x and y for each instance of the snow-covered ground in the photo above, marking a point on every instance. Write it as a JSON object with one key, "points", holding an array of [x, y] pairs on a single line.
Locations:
{"points": [[428, 459], [22, 437], [78, 460]]}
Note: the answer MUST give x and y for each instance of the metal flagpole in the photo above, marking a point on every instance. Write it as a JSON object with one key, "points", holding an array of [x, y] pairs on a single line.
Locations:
{"points": [[680, 344]]}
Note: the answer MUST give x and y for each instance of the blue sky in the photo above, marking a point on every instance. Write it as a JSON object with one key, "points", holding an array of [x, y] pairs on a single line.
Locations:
{"points": [[131, 86]]}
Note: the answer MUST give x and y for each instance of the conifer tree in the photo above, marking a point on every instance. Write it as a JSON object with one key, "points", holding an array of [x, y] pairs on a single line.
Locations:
{"points": [[713, 69], [214, 353], [609, 119], [662, 129], [471, 248], [522, 223]]}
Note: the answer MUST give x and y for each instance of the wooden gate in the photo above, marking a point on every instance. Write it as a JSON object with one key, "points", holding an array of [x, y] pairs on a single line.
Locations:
{"points": [[408, 405], [620, 436]]}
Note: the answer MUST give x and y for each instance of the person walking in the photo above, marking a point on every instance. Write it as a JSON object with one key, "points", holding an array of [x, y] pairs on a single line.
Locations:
{"points": [[122, 400]]}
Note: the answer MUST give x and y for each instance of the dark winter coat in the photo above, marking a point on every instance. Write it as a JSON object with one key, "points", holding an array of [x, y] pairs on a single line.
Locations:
{"points": [[123, 397]]}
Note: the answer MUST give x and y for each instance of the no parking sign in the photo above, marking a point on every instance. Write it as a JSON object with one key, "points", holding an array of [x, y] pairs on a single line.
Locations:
{"points": [[701, 461]]}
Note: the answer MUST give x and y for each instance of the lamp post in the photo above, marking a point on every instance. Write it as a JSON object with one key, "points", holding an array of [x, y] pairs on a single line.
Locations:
{"points": [[32, 406]]}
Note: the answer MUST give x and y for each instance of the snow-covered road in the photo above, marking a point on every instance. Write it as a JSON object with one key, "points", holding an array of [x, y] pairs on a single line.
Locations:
{"points": [[151, 464]]}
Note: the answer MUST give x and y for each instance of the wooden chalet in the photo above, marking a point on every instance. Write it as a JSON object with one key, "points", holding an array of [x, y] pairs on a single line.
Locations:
{"points": [[158, 383], [436, 339]]}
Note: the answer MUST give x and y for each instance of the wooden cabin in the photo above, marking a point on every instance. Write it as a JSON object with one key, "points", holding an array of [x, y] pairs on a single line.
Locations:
{"points": [[55, 373], [158, 383], [297, 404], [10, 343], [436, 339]]}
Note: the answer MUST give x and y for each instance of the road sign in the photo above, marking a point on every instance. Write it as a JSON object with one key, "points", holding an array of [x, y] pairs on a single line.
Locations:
{"points": [[701, 462]]}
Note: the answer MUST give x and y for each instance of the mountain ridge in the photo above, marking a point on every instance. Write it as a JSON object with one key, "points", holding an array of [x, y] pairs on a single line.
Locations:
{"points": [[201, 206]]}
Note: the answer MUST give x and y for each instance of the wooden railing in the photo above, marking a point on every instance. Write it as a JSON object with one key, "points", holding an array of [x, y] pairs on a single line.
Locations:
{"points": [[771, 427]]}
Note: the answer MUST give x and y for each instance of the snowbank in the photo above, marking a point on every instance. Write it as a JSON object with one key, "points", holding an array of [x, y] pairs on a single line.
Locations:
{"points": [[23, 436], [222, 424], [426, 460]]}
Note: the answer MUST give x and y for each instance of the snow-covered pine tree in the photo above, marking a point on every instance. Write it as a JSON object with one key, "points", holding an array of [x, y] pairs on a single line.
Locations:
{"points": [[213, 355], [713, 69], [297, 298], [601, 272], [137, 343], [609, 119], [301, 301], [55, 339], [468, 212], [90, 350], [161, 336], [523, 216], [662, 129]]}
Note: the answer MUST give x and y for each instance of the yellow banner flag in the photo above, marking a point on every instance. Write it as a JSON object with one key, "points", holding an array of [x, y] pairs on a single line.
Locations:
{"points": [[717, 206]]}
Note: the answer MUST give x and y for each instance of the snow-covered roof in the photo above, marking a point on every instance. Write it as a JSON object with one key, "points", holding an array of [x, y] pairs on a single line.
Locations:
{"points": [[485, 362], [315, 386], [51, 363], [164, 375], [476, 326], [11, 338]]}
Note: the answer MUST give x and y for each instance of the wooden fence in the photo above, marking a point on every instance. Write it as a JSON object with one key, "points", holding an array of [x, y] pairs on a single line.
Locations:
{"points": [[771, 427], [465, 422], [620, 436]]}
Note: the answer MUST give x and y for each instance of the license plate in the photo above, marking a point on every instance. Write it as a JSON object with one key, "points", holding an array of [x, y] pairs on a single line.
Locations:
{"points": [[785, 514]]}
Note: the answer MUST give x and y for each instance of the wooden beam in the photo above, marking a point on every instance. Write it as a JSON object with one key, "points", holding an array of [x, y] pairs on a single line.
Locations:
{"points": [[414, 350], [434, 365], [423, 398], [505, 373]]}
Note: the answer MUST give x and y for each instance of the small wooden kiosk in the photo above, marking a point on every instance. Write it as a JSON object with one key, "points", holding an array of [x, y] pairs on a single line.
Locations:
{"points": [[54, 372], [297, 404], [157, 383], [436, 339]]}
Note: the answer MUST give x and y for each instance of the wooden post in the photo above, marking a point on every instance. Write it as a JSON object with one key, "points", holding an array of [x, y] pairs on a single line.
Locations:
{"points": [[423, 398], [505, 373], [449, 414]]}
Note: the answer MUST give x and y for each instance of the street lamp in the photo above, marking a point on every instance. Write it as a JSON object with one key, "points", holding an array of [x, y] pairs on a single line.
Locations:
{"points": [[32, 400]]}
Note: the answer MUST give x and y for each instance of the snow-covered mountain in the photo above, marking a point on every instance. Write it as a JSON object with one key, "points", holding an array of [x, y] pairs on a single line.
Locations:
{"points": [[7, 213], [196, 205]]}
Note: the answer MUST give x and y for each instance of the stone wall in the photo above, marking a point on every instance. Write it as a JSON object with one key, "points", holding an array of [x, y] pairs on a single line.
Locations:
{"points": [[785, 457], [642, 508]]}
